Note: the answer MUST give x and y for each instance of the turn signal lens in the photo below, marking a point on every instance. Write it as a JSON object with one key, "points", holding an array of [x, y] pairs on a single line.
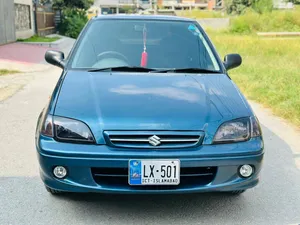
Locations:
{"points": [[47, 127], [255, 127]]}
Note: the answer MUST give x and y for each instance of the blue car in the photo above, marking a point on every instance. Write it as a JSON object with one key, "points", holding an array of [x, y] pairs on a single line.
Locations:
{"points": [[145, 105]]}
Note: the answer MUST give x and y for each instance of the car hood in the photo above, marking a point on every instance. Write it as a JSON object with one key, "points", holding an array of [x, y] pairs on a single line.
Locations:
{"points": [[150, 101]]}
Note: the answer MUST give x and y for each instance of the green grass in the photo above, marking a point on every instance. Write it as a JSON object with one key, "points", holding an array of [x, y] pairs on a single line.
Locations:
{"points": [[251, 21], [39, 39], [200, 14], [6, 72], [270, 73], [277, 20]]}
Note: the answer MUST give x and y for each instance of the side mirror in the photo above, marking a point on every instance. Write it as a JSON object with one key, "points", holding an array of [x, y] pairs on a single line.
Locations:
{"points": [[55, 58], [232, 61]]}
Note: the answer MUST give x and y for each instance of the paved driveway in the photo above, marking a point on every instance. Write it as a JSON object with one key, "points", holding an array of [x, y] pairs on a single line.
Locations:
{"points": [[29, 54], [23, 52]]}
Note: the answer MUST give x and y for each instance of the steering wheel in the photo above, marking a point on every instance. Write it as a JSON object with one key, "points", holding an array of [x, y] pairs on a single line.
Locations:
{"points": [[114, 55]]}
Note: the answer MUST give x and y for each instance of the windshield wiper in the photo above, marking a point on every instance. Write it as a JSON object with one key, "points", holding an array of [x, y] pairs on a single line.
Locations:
{"points": [[186, 70], [123, 69]]}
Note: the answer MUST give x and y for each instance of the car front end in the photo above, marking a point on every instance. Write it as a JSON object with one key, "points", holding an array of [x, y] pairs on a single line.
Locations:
{"points": [[105, 169], [211, 141], [112, 126]]}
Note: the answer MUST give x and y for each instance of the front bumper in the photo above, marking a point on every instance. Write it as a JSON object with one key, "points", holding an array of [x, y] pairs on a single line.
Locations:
{"points": [[80, 159]]}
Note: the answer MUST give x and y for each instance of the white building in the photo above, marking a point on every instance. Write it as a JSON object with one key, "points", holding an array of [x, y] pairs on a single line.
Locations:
{"points": [[16, 20], [24, 18]]}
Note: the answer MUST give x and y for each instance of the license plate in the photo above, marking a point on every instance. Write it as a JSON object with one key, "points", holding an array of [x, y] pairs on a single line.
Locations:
{"points": [[154, 172]]}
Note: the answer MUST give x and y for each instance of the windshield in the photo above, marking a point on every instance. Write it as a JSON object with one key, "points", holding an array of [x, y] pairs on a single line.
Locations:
{"points": [[147, 43]]}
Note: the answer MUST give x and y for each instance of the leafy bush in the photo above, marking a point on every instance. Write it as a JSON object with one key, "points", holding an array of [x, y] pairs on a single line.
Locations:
{"points": [[262, 6], [81, 4], [127, 9], [73, 21], [252, 21], [238, 7]]}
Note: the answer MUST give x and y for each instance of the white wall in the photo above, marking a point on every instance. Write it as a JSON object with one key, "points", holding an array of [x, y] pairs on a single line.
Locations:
{"points": [[26, 33]]}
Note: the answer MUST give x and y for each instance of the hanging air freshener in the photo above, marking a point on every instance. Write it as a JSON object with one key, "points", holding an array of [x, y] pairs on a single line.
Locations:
{"points": [[144, 57]]}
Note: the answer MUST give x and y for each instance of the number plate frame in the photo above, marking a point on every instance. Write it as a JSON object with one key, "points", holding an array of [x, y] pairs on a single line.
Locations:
{"points": [[137, 169]]}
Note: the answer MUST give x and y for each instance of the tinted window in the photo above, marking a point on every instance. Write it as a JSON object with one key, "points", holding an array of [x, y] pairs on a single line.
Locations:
{"points": [[169, 44]]}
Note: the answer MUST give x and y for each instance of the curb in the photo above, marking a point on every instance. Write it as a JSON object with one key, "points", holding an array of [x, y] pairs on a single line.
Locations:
{"points": [[47, 44], [55, 44], [279, 34]]}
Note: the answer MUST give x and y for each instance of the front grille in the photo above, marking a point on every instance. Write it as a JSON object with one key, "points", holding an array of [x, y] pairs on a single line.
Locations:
{"points": [[153, 139], [189, 177]]}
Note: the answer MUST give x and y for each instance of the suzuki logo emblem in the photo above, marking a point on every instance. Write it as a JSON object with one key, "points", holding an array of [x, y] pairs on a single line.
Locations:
{"points": [[154, 140]]}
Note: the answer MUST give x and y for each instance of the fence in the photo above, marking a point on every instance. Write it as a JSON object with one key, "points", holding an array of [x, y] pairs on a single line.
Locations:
{"points": [[7, 22], [45, 21]]}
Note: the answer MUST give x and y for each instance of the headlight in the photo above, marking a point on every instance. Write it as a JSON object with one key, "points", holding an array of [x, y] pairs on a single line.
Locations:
{"points": [[65, 129], [71, 130], [238, 130]]}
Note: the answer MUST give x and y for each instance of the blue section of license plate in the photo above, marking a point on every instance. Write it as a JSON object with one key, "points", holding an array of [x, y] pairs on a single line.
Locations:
{"points": [[135, 172]]}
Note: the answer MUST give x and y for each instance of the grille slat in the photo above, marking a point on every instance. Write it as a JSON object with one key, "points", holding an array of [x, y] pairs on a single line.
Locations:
{"points": [[147, 140], [197, 175], [109, 175], [153, 139]]}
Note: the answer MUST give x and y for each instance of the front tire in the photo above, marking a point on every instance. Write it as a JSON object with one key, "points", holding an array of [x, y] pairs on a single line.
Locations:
{"points": [[53, 191]]}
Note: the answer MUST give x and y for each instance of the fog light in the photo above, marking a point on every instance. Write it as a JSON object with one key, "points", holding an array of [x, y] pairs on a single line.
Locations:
{"points": [[60, 172], [246, 171]]}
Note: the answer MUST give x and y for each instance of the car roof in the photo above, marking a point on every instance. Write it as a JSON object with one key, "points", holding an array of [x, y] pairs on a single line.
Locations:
{"points": [[142, 17]]}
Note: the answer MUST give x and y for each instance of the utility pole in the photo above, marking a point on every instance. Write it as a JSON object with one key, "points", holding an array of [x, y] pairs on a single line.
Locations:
{"points": [[155, 6], [35, 2]]}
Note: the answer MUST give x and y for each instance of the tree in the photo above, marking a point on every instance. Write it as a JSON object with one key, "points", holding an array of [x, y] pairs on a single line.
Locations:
{"points": [[262, 6], [239, 6], [80, 4]]}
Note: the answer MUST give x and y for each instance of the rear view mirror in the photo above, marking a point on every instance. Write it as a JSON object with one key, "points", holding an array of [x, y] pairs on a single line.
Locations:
{"points": [[55, 58], [232, 61]]}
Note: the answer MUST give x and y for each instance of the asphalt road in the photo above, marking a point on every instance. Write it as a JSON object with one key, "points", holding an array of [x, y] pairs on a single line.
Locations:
{"points": [[23, 199]]}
